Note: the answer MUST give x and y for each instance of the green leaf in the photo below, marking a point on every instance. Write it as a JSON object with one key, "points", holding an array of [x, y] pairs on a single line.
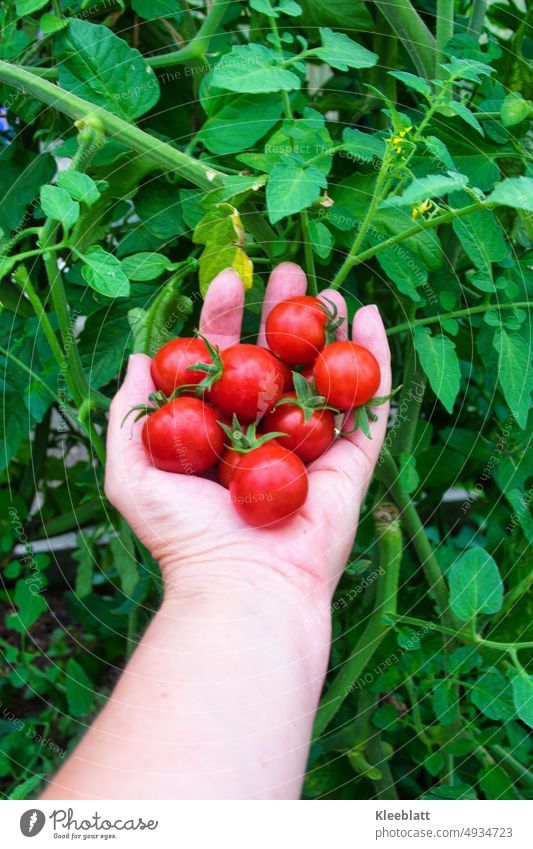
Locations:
{"points": [[158, 205], [292, 187], [222, 233], [483, 241], [445, 702], [514, 373], [514, 109], [438, 149], [492, 695], [404, 268], [253, 68], [475, 585], [515, 191], [79, 186], [150, 10], [522, 684], [412, 81], [22, 174], [285, 7], [434, 763], [29, 605], [145, 265], [495, 783], [97, 65], [57, 204], [339, 51], [435, 185], [456, 791], [124, 559], [79, 689], [467, 115], [240, 122], [28, 7], [467, 69], [440, 363], [103, 272], [321, 238], [363, 146], [51, 23], [350, 15], [26, 788]]}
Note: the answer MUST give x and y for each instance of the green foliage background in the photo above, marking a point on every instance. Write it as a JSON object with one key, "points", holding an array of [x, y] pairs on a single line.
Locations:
{"points": [[386, 147]]}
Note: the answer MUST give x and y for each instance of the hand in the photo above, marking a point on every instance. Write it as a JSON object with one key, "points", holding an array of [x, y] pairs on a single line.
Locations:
{"points": [[189, 524], [218, 700]]}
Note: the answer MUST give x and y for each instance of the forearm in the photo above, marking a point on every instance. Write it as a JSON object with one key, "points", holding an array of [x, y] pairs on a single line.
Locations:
{"points": [[217, 701]]}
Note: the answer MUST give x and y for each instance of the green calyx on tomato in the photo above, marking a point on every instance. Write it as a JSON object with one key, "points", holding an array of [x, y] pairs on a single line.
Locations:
{"points": [[247, 440], [306, 398], [334, 320], [156, 399], [363, 415], [213, 371]]}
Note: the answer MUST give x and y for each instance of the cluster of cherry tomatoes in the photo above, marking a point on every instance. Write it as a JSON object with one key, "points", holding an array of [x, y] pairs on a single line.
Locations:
{"points": [[261, 415]]}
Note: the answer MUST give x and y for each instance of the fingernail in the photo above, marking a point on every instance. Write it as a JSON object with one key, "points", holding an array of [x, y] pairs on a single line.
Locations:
{"points": [[373, 307]]}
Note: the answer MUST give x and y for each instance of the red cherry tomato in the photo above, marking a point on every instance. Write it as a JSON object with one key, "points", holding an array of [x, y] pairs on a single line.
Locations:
{"points": [[229, 462], [308, 373], [307, 439], [296, 329], [183, 436], [250, 384], [170, 364], [269, 485], [346, 374]]}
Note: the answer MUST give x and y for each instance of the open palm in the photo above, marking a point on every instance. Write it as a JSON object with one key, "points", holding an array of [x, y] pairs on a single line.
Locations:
{"points": [[189, 524]]}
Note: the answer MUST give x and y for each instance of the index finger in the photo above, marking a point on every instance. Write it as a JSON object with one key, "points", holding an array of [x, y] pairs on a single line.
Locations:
{"points": [[221, 316]]}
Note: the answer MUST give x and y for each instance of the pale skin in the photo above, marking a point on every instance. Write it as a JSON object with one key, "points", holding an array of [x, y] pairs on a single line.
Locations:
{"points": [[219, 697]]}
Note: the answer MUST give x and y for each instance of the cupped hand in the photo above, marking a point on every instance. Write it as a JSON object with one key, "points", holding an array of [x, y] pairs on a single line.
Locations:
{"points": [[189, 524]]}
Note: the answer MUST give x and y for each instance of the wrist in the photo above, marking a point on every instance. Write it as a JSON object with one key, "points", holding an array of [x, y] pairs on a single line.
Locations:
{"points": [[255, 608]]}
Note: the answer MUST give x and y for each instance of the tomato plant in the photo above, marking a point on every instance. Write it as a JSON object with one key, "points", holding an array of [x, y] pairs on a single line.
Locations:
{"points": [[386, 149]]}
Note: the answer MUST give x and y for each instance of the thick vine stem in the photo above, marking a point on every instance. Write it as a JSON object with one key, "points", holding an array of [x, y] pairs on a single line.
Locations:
{"points": [[412, 31], [160, 153], [463, 313], [389, 536], [387, 472]]}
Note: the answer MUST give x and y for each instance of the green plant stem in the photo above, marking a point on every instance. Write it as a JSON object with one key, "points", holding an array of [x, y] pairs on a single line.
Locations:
{"points": [[387, 471], [517, 770], [159, 153], [477, 16], [304, 218], [445, 12], [410, 403], [390, 551], [308, 251], [353, 259], [464, 313], [415, 710], [73, 520], [40, 312], [385, 786], [199, 45], [412, 33]]}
